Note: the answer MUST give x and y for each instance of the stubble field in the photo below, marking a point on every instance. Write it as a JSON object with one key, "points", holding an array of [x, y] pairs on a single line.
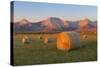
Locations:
{"points": [[36, 52]]}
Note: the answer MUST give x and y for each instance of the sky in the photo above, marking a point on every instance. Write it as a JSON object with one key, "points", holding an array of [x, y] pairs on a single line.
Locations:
{"points": [[35, 11]]}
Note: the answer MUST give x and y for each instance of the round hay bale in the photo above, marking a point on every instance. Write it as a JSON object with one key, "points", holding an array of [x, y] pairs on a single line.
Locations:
{"points": [[41, 37], [48, 40], [84, 36], [68, 40], [45, 40], [25, 39]]}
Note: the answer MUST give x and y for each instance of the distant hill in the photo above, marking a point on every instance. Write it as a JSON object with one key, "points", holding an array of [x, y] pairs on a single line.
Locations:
{"points": [[87, 25], [54, 24]]}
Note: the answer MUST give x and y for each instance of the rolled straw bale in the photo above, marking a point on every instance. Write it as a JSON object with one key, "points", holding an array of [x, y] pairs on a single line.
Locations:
{"points": [[68, 40], [45, 40], [84, 36], [25, 39]]}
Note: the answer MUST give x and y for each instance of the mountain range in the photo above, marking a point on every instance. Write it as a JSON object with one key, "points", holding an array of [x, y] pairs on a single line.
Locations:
{"points": [[54, 24]]}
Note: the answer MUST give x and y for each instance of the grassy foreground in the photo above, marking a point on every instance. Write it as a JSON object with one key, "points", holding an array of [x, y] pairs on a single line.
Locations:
{"points": [[39, 53]]}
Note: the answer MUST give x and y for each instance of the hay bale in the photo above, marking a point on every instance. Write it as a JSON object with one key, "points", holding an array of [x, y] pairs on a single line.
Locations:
{"points": [[46, 40], [25, 39], [40, 37], [68, 40], [84, 36]]}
